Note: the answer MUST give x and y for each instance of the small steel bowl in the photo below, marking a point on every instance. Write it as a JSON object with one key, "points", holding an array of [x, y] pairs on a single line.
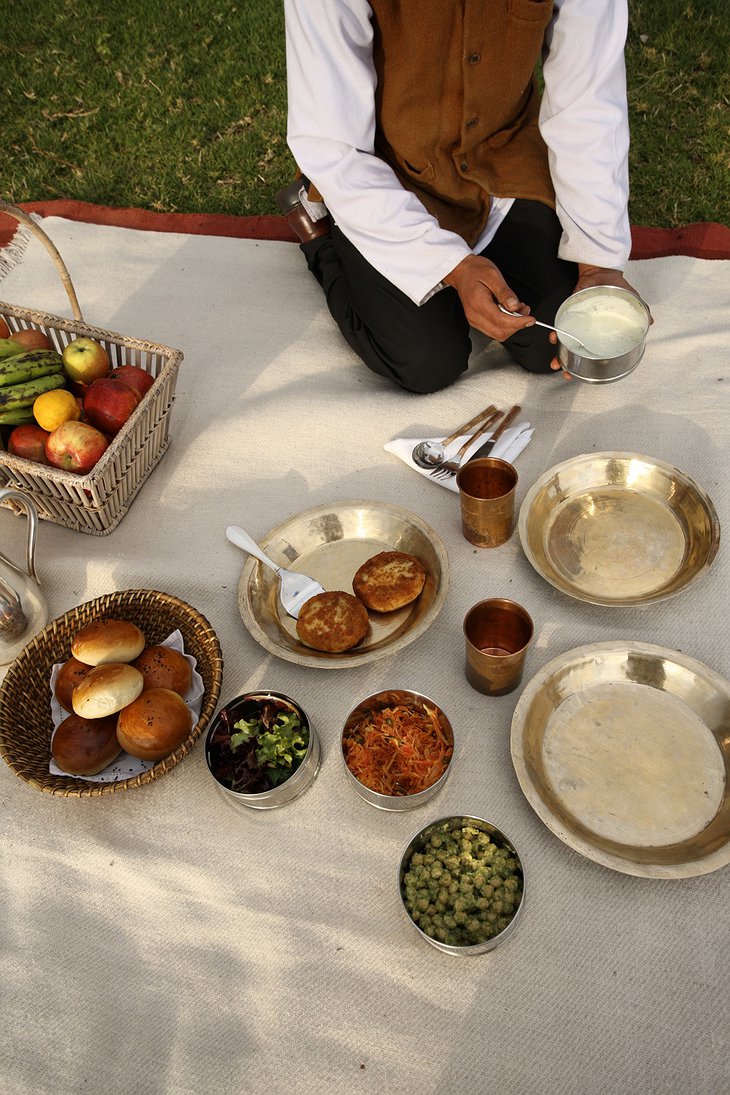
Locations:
{"points": [[417, 843], [605, 369], [377, 702], [304, 776]]}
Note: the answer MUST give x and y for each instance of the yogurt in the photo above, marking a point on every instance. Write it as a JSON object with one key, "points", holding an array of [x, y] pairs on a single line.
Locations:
{"points": [[608, 326]]}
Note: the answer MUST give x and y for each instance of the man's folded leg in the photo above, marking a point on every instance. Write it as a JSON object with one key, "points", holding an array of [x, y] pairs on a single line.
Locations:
{"points": [[421, 348]]}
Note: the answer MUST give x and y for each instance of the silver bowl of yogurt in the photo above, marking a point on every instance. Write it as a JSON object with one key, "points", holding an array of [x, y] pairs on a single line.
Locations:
{"points": [[613, 324]]}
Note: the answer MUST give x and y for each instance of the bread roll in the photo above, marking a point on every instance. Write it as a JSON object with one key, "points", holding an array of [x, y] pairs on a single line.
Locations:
{"points": [[154, 725], [104, 641], [83, 747], [164, 667], [106, 689], [69, 676]]}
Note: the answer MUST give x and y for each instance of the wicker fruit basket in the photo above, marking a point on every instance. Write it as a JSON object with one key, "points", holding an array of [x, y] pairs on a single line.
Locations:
{"points": [[94, 503], [25, 696]]}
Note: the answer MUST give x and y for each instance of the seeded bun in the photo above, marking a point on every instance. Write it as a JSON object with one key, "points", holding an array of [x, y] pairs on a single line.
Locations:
{"points": [[106, 689], [389, 580], [164, 667], [154, 725], [69, 676], [104, 641], [83, 747], [333, 621]]}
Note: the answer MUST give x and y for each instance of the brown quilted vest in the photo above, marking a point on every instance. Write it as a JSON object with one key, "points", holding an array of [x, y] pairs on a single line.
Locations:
{"points": [[457, 103]]}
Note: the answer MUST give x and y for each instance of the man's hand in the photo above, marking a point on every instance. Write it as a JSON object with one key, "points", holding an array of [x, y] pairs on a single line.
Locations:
{"points": [[481, 287], [587, 277]]}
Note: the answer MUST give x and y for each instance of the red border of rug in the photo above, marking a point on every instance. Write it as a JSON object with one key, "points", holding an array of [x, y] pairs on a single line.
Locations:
{"points": [[703, 241]]}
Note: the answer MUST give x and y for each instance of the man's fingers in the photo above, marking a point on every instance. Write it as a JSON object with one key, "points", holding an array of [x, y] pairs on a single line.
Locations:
{"points": [[507, 299], [555, 365]]}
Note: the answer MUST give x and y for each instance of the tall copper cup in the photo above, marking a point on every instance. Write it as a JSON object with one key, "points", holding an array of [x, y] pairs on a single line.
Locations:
{"points": [[487, 494], [498, 633]]}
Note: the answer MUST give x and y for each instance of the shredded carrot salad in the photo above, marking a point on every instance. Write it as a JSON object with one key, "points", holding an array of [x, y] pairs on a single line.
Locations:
{"points": [[399, 750]]}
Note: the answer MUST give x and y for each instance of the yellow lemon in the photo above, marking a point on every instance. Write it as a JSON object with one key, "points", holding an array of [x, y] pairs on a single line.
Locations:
{"points": [[54, 408]]}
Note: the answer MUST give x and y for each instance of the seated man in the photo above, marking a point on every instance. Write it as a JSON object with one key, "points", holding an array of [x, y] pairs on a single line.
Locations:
{"points": [[438, 186]]}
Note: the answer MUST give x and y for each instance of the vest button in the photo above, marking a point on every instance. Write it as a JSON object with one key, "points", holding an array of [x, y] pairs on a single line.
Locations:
{"points": [[474, 58], [471, 123]]}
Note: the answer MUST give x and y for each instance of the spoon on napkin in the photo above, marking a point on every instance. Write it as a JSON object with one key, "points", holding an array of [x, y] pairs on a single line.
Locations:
{"points": [[429, 454], [295, 588]]}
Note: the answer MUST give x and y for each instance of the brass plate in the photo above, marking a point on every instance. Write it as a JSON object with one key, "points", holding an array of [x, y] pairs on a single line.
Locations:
{"points": [[623, 751], [329, 543], [618, 529]]}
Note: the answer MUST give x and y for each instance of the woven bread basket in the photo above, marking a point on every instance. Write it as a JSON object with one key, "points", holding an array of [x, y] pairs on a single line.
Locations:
{"points": [[94, 503], [25, 695]]}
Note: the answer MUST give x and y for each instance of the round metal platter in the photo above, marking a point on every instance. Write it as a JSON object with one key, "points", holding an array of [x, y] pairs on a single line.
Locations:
{"points": [[622, 749], [618, 529], [329, 543]]}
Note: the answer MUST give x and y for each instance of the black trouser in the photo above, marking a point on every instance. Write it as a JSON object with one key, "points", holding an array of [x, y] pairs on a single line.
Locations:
{"points": [[424, 348]]}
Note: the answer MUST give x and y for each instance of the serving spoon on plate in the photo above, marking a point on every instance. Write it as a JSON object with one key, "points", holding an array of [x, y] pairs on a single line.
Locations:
{"points": [[294, 589]]}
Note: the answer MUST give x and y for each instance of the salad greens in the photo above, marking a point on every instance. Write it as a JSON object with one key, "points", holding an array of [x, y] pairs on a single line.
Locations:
{"points": [[257, 742], [279, 747]]}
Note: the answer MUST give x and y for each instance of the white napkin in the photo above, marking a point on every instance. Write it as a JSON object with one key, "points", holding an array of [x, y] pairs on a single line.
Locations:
{"points": [[508, 447], [125, 766]]}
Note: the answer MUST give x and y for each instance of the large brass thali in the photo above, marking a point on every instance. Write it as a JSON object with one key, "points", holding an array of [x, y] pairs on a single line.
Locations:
{"points": [[618, 529], [623, 751], [329, 543]]}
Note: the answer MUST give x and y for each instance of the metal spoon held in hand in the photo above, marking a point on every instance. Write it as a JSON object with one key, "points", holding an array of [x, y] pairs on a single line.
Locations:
{"points": [[295, 588], [565, 334]]}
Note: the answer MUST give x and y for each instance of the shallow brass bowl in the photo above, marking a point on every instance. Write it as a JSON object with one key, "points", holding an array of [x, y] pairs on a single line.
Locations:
{"points": [[329, 543], [623, 751], [618, 529]]}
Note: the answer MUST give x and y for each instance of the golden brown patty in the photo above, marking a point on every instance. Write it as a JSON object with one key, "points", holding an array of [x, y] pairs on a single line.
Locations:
{"points": [[332, 621], [389, 580]]}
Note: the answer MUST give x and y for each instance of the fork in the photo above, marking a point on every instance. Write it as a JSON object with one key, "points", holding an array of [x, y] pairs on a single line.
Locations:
{"points": [[450, 467], [294, 589]]}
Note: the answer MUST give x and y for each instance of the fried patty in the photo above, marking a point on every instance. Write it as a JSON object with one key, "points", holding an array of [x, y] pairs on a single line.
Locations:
{"points": [[332, 621], [389, 580]]}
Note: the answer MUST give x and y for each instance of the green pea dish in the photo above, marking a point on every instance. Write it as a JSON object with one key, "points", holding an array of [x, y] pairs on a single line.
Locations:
{"points": [[462, 884]]}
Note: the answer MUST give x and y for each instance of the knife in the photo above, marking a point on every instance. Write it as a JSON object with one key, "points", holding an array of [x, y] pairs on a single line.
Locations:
{"points": [[487, 447]]}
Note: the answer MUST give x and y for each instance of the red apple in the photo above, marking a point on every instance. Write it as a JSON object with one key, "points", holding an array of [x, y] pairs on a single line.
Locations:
{"points": [[108, 404], [4, 329], [29, 441], [137, 378], [30, 339], [85, 360], [75, 446]]}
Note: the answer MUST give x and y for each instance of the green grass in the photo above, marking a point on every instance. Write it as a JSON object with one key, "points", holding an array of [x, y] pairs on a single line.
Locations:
{"points": [[182, 107]]}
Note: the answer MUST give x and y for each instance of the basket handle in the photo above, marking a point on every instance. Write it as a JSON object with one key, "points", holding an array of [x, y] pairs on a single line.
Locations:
{"points": [[23, 218]]}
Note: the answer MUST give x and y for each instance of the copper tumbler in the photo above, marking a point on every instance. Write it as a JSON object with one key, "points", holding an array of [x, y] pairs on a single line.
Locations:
{"points": [[498, 633], [487, 494]]}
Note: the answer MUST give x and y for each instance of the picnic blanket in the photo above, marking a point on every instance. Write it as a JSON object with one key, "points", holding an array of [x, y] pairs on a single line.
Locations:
{"points": [[161, 940]]}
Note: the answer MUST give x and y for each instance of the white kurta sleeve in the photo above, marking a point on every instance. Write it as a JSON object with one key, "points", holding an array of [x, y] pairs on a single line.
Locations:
{"points": [[584, 122], [331, 133]]}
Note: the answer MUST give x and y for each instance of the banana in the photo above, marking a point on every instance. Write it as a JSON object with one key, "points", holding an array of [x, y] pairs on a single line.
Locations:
{"points": [[25, 395], [28, 365], [8, 348], [22, 417]]}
